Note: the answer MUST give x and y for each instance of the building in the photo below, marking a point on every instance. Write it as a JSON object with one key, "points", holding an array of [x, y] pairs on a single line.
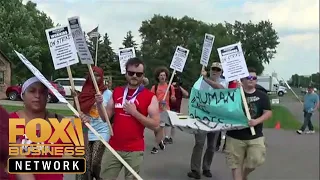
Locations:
{"points": [[5, 72]]}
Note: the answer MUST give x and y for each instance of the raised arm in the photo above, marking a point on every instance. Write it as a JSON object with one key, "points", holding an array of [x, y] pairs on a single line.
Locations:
{"points": [[153, 120], [109, 107], [213, 84], [184, 92]]}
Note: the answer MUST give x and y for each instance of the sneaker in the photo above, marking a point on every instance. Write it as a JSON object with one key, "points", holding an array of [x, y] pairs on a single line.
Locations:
{"points": [[194, 174], [310, 132], [207, 173], [162, 145], [154, 150], [299, 131], [170, 141], [166, 140]]}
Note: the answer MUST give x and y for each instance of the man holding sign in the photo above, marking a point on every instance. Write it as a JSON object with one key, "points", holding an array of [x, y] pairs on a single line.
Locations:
{"points": [[244, 151], [213, 82]]}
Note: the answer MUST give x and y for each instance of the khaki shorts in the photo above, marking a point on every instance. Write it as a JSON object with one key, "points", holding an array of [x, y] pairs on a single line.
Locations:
{"points": [[111, 166], [249, 153]]}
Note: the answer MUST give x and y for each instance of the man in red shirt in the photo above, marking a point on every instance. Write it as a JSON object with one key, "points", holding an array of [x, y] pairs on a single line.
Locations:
{"points": [[134, 108]]}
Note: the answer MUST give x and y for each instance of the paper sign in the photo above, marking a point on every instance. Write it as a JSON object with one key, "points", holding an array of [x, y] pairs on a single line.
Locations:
{"points": [[124, 55], [62, 48], [194, 126], [233, 62], [179, 59], [38, 74], [80, 40], [206, 49]]}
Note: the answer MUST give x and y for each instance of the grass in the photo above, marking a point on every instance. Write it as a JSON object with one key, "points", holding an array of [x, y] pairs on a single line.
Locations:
{"points": [[58, 111], [287, 120]]}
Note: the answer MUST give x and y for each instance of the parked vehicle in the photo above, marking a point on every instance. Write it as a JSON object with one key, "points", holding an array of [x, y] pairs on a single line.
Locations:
{"points": [[65, 82], [13, 92], [271, 84]]}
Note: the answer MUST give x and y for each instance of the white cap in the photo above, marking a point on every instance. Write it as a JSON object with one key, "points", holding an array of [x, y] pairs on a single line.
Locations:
{"points": [[28, 83]]}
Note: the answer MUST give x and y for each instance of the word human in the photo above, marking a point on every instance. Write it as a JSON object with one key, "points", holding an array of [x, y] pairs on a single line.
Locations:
{"points": [[46, 165], [214, 97], [43, 141]]}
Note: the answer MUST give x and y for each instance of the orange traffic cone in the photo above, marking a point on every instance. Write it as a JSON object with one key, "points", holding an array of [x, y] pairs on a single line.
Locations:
{"points": [[278, 125]]}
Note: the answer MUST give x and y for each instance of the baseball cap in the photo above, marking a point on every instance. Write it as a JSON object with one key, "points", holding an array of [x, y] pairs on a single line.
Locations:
{"points": [[216, 65]]}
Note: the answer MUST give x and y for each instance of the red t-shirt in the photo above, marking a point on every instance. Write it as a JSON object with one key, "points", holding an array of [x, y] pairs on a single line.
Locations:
{"points": [[176, 106], [37, 176], [128, 131], [232, 84]]}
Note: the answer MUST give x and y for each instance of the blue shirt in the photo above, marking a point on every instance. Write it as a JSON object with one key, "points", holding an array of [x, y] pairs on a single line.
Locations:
{"points": [[97, 123], [310, 101]]}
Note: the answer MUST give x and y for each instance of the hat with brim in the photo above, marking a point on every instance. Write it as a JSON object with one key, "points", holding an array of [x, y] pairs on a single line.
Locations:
{"points": [[216, 65]]}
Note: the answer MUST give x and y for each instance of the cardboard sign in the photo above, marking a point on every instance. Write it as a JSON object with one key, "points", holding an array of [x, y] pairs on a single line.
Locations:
{"points": [[124, 55], [62, 47], [80, 40], [179, 59], [38, 74], [233, 62], [206, 49]]}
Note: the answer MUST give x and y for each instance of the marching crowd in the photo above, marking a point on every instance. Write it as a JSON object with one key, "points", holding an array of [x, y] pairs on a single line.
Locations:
{"points": [[131, 108]]}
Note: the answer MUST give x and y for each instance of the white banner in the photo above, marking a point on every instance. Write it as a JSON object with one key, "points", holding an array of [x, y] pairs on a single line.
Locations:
{"points": [[124, 55], [206, 49], [179, 59]]}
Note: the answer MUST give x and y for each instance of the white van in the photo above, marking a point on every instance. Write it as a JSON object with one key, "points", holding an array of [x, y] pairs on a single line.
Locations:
{"points": [[65, 83]]}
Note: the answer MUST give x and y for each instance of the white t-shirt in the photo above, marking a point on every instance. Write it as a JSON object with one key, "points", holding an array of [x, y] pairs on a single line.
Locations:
{"points": [[205, 86]]}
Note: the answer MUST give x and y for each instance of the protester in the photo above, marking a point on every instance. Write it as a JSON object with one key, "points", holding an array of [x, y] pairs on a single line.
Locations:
{"points": [[175, 106], [232, 85], [161, 77], [94, 147], [209, 83], [134, 108], [145, 81], [244, 151], [4, 138], [310, 104], [34, 95]]}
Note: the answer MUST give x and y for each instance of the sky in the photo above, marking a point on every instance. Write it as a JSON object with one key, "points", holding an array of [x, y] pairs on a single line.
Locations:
{"points": [[296, 21]]}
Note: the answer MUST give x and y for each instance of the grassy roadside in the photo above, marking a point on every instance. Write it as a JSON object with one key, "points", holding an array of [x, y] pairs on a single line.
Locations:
{"points": [[58, 111]]}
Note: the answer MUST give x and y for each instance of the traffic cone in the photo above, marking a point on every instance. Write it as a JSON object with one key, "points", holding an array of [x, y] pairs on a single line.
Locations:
{"points": [[278, 125]]}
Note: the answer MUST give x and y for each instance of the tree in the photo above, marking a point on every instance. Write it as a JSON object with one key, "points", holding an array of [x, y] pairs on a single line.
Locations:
{"points": [[129, 41], [22, 28], [162, 34], [259, 42]]}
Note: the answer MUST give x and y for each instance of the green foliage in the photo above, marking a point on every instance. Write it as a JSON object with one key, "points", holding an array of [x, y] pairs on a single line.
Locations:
{"points": [[161, 34], [22, 28], [304, 81]]}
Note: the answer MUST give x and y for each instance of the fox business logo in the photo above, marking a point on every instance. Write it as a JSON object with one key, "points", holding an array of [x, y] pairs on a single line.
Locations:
{"points": [[45, 140]]}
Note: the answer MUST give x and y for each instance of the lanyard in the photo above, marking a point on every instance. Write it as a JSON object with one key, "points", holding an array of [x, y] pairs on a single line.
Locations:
{"points": [[133, 97]]}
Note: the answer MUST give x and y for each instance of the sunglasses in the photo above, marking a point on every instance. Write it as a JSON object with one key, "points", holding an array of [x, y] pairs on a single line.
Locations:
{"points": [[251, 78], [138, 74], [215, 69]]}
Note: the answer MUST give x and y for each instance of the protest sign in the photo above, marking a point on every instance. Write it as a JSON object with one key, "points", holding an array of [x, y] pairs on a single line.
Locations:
{"points": [[62, 48], [233, 62], [124, 55], [80, 41], [39, 75], [179, 59], [194, 126], [206, 49], [217, 105]]}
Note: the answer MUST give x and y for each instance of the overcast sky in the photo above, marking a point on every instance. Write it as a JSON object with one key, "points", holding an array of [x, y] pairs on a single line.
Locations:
{"points": [[296, 21]]}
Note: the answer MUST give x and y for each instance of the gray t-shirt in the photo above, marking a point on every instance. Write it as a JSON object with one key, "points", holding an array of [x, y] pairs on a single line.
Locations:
{"points": [[205, 86]]}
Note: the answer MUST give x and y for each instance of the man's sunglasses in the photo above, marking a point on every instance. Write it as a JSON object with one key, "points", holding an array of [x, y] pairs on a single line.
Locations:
{"points": [[251, 78], [215, 69], [138, 74]]}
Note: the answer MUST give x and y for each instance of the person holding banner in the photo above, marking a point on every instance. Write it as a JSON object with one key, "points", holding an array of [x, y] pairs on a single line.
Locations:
{"points": [[134, 108], [161, 76], [214, 81], [34, 95], [244, 151], [175, 106], [94, 147]]}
